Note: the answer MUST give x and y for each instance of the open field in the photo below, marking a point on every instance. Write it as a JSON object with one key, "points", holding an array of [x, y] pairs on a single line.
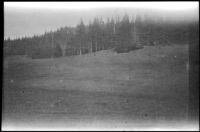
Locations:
{"points": [[148, 85]]}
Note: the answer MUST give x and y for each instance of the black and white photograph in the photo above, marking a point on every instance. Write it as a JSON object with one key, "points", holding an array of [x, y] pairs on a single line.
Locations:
{"points": [[116, 66]]}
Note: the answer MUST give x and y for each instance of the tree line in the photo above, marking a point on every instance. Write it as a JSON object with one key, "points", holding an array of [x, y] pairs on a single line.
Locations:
{"points": [[118, 34]]}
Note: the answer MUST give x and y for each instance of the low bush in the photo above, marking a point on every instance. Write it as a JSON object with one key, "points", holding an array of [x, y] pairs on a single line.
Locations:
{"points": [[126, 49]]}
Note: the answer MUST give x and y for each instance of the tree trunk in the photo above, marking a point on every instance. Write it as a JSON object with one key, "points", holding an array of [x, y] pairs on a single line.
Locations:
{"points": [[64, 52], [80, 50], [96, 47], [91, 48], [63, 47]]}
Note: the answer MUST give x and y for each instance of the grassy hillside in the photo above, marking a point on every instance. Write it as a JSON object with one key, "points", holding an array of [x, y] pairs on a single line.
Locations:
{"points": [[149, 84]]}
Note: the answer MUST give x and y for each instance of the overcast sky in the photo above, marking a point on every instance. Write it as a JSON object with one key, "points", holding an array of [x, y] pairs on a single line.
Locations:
{"points": [[31, 18]]}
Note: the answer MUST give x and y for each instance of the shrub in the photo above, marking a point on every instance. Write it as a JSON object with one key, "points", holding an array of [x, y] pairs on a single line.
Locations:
{"points": [[126, 49]]}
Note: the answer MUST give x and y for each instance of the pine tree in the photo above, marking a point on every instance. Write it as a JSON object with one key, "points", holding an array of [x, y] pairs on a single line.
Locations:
{"points": [[80, 36]]}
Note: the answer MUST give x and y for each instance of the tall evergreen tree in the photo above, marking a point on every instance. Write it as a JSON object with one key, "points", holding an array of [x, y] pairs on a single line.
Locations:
{"points": [[80, 32]]}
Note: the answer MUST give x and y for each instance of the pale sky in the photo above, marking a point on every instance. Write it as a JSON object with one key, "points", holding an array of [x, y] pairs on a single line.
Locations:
{"points": [[89, 5], [34, 18]]}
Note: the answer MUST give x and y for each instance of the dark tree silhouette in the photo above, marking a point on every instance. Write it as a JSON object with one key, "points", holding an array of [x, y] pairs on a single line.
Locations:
{"points": [[123, 35]]}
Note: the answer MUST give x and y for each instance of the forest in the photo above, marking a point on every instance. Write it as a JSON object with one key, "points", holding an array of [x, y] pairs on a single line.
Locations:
{"points": [[122, 35]]}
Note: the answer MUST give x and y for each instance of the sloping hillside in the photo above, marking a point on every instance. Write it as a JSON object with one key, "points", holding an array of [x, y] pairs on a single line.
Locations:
{"points": [[150, 84]]}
